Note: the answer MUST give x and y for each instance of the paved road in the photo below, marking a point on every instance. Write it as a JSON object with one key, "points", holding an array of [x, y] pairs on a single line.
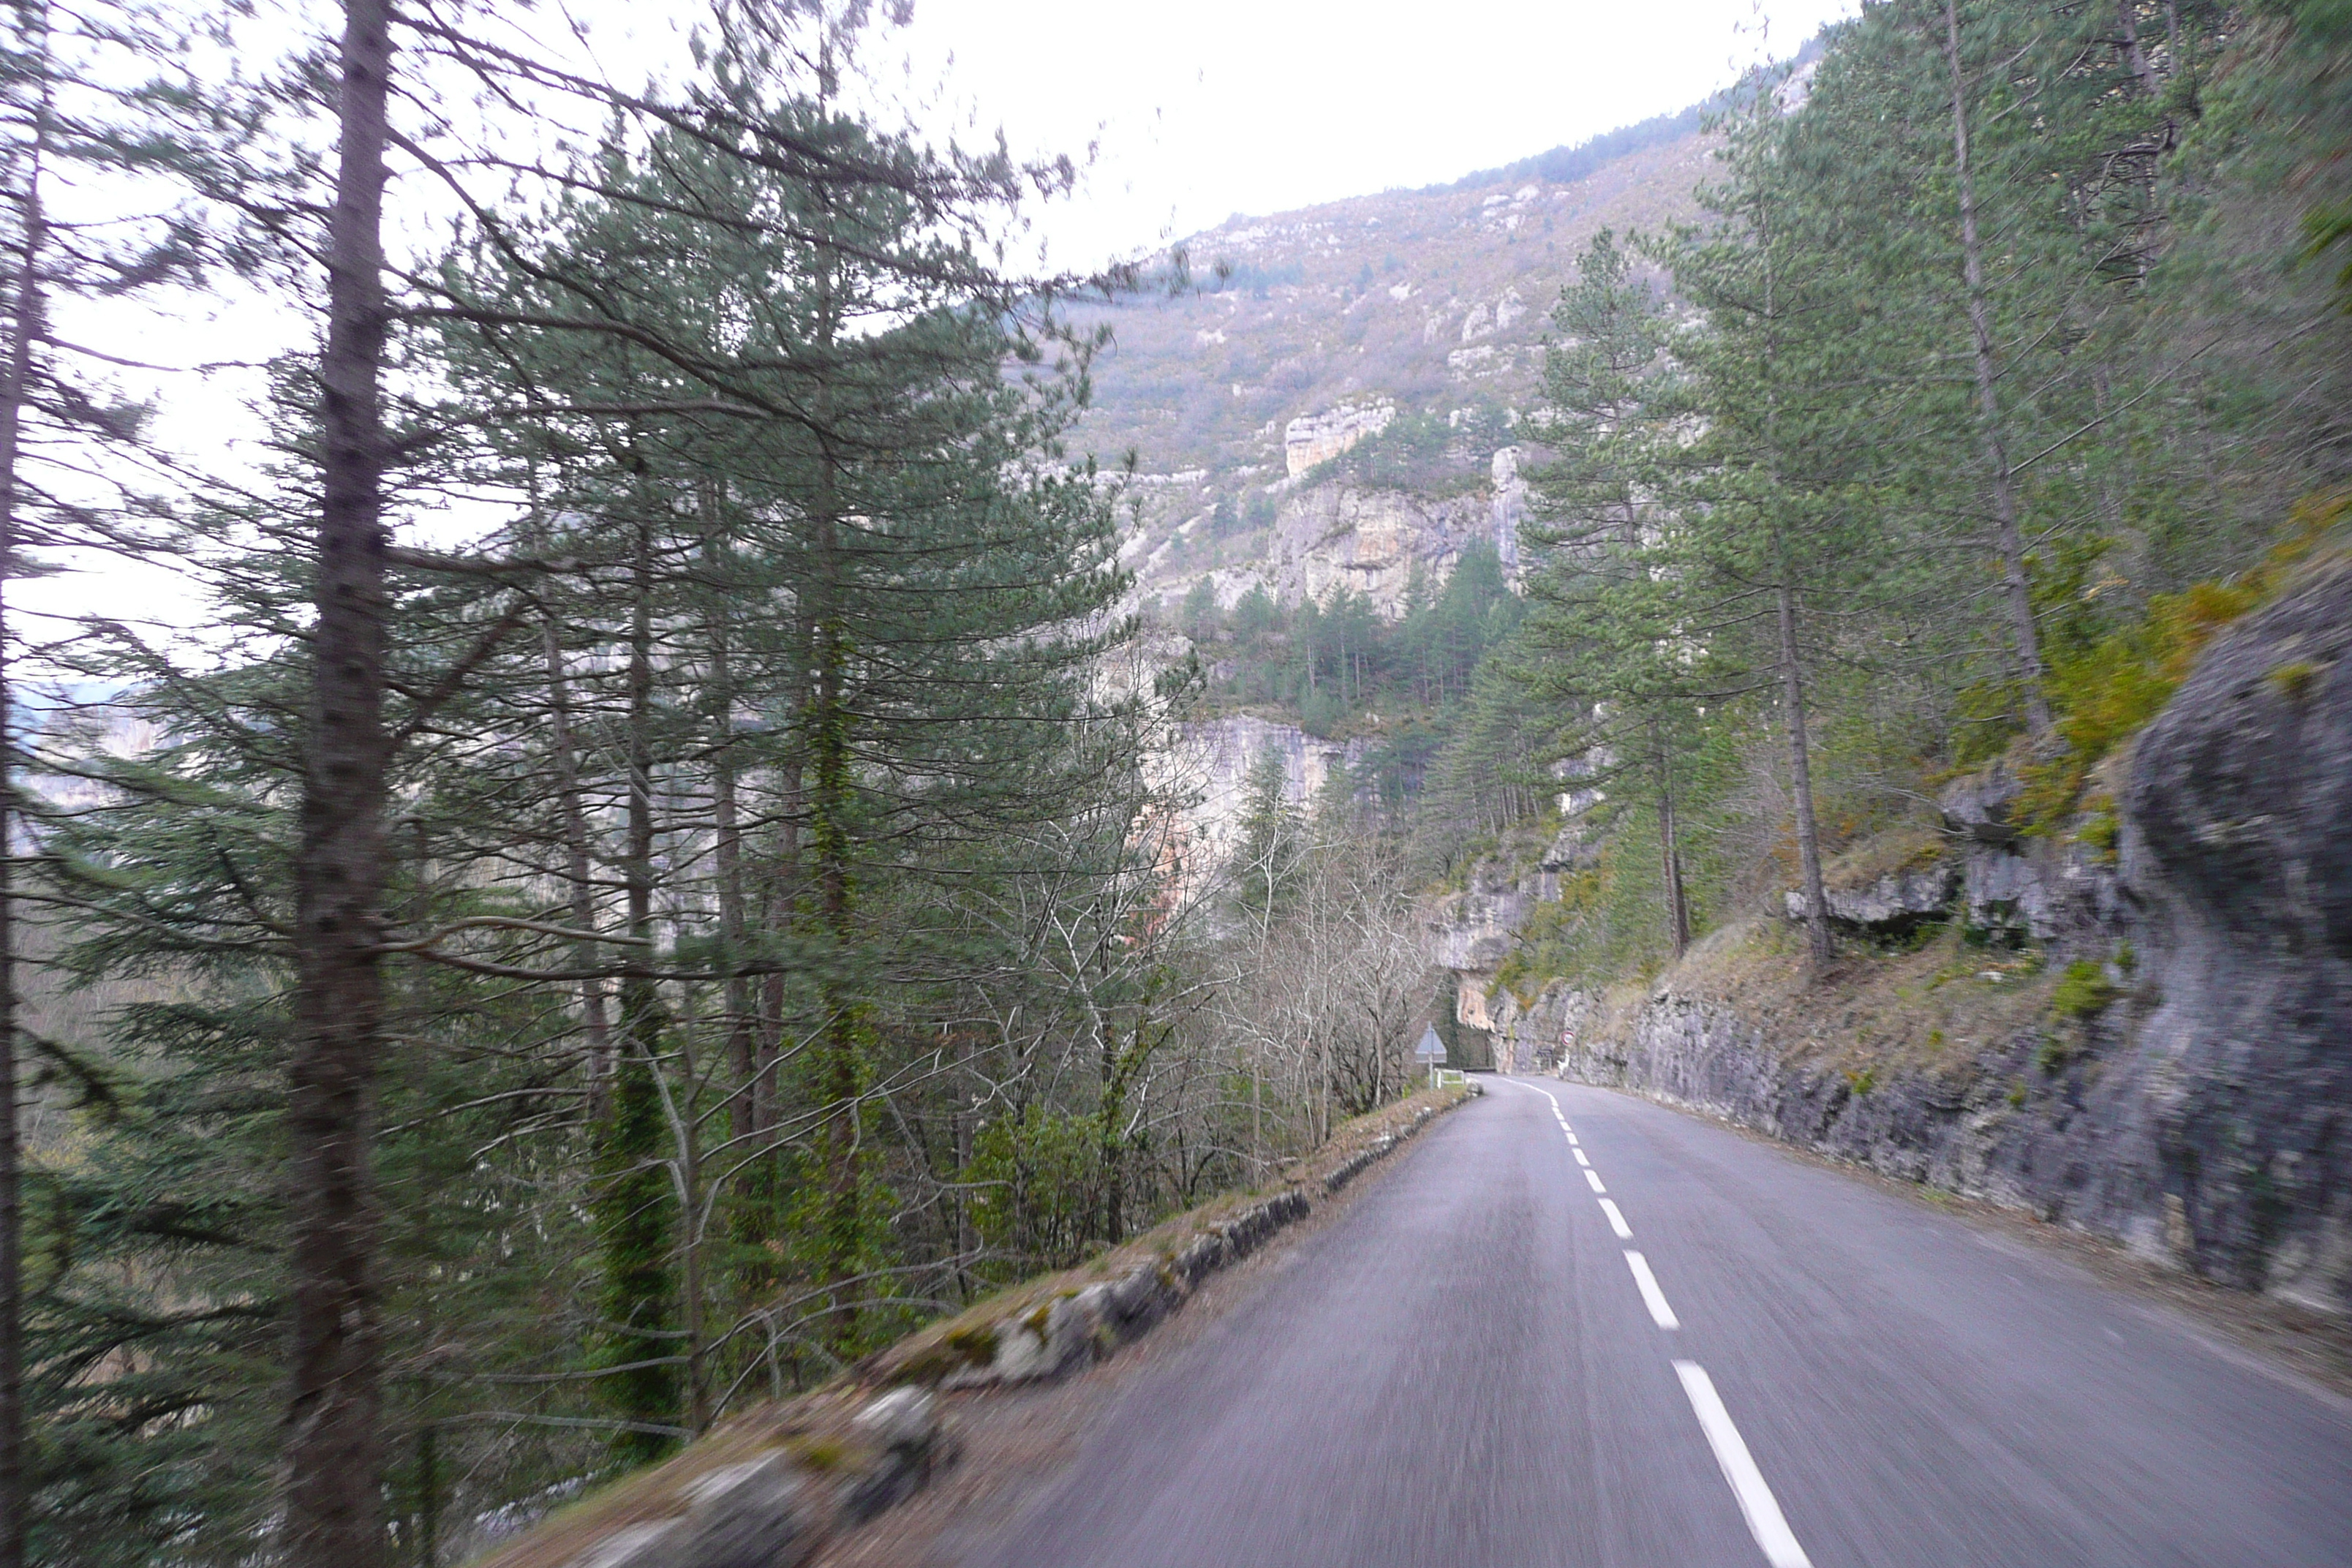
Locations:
{"points": [[1469, 1368]]}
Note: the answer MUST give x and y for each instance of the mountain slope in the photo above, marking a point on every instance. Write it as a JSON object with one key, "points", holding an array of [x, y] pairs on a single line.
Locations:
{"points": [[1431, 303]]}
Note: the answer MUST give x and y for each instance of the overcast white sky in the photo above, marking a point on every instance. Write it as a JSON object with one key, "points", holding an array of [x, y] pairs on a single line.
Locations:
{"points": [[1212, 107]]}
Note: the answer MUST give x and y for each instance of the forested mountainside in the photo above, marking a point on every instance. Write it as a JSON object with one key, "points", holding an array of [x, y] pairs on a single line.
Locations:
{"points": [[1328, 412], [479, 1009]]}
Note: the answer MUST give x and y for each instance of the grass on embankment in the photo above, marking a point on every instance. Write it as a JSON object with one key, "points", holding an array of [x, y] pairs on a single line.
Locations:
{"points": [[1928, 1008]]}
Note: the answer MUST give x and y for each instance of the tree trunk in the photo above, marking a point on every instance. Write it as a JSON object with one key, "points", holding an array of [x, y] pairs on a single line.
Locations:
{"points": [[690, 1231], [636, 1204], [578, 865], [2135, 57], [742, 1044], [639, 1001], [428, 1495], [1800, 773], [839, 1071], [23, 328], [784, 886], [1677, 906], [332, 1455], [2011, 541]]}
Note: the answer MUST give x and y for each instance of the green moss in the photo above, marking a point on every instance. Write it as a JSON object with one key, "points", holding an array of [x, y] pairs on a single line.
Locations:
{"points": [[2017, 1093], [2100, 832], [1861, 1082], [2084, 990], [819, 1454], [2293, 680], [2105, 690], [975, 1342]]}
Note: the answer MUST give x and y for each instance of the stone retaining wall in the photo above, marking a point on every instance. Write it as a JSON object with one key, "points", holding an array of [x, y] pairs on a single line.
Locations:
{"points": [[771, 1488]]}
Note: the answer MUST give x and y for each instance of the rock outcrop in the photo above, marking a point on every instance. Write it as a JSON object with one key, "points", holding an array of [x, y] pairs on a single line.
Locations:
{"points": [[1530, 1038], [1339, 537], [1313, 439], [1472, 932], [1893, 903], [2238, 823], [1211, 762], [2188, 1087]]}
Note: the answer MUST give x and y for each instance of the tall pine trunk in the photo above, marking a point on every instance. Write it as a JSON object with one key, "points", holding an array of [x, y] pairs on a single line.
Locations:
{"points": [[2011, 537], [1800, 775], [578, 865], [1788, 644], [332, 1443], [840, 1075], [25, 325], [742, 1044], [1677, 906], [840, 1071], [634, 1204]]}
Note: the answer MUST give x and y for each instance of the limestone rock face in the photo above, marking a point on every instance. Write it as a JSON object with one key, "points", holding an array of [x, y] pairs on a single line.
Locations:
{"points": [[1475, 929], [1367, 542], [1212, 762], [1895, 903], [1509, 506], [2239, 823], [1531, 1038], [1313, 439], [1980, 805]]}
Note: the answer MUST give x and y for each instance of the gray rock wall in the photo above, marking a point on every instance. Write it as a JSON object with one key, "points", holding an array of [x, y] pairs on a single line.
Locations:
{"points": [[2205, 1117], [2239, 823]]}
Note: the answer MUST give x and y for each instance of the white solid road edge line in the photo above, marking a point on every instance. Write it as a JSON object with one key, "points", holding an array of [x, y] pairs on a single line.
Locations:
{"points": [[1652, 1297], [1763, 1514], [1594, 1177], [1616, 1221]]}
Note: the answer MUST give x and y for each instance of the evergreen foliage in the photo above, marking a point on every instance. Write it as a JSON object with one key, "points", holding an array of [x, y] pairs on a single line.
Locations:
{"points": [[485, 1013]]}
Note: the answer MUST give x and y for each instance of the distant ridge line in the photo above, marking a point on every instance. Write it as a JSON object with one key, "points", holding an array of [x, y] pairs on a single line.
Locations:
{"points": [[1564, 165]]}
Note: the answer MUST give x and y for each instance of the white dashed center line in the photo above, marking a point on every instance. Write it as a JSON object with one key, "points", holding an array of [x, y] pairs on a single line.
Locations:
{"points": [[1652, 1297], [1756, 1504], [1756, 1501]]}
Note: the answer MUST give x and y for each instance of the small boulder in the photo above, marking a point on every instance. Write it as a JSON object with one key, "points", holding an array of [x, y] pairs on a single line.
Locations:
{"points": [[1894, 903], [758, 1516], [1983, 805]]}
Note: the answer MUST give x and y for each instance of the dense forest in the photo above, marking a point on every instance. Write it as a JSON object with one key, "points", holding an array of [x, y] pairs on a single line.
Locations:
{"points": [[645, 866]]}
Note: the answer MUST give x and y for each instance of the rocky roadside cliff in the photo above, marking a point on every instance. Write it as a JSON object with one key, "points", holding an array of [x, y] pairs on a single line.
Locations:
{"points": [[2141, 1028]]}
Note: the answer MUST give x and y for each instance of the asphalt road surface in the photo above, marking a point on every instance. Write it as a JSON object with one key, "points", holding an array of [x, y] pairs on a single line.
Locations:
{"points": [[1572, 1327]]}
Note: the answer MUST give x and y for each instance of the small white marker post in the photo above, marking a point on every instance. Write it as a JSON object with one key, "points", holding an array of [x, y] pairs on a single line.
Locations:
{"points": [[1431, 1052]]}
